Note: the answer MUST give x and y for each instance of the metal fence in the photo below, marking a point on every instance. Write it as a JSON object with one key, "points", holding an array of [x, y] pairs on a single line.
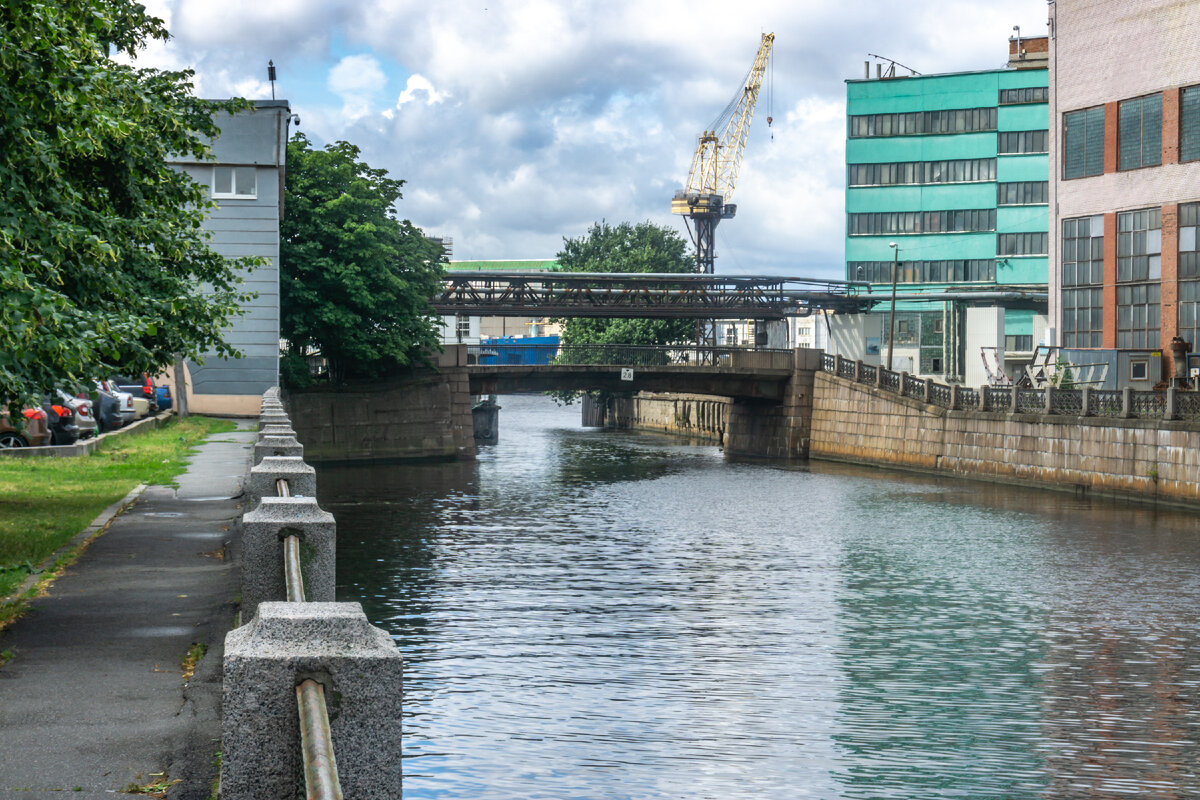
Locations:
{"points": [[1065, 402]]}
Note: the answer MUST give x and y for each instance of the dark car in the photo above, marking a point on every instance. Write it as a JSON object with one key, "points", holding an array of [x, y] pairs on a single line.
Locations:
{"points": [[163, 394], [61, 420], [107, 409]]}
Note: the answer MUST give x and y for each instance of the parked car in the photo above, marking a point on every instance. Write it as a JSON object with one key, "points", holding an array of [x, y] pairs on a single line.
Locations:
{"points": [[61, 421], [139, 388], [125, 405], [163, 394], [34, 433], [84, 411]]}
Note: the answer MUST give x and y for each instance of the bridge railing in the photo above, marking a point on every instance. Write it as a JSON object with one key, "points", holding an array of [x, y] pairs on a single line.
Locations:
{"points": [[623, 355], [1085, 402]]}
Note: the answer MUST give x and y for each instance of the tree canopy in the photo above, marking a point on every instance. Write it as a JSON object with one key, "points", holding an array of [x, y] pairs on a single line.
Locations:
{"points": [[355, 280], [104, 264], [644, 247]]}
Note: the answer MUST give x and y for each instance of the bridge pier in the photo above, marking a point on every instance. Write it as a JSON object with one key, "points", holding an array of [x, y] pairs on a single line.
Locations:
{"points": [[760, 429]]}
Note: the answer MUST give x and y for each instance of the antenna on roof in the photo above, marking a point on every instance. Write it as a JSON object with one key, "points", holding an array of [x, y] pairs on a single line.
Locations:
{"points": [[271, 77], [892, 64]]}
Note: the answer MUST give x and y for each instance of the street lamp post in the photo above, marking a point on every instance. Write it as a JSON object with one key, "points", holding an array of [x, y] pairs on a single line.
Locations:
{"points": [[892, 315]]}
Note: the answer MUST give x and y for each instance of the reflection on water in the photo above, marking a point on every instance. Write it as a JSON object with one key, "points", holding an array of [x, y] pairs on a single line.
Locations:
{"points": [[588, 614]]}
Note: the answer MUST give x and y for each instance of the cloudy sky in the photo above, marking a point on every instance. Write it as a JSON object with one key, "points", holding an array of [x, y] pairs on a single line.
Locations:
{"points": [[519, 122]]}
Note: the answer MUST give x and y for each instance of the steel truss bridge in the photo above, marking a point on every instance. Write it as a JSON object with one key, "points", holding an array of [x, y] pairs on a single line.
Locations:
{"points": [[637, 294]]}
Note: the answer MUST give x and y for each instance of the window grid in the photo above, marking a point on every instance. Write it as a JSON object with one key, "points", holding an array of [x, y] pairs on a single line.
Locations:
{"points": [[1138, 316], [1140, 136], [1083, 143], [1083, 279], [1027, 94], [906, 222], [949, 271], [916, 123], [235, 182], [1139, 245], [1017, 142], [1023, 193], [965, 170], [1189, 124], [1022, 244], [1189, 267]]}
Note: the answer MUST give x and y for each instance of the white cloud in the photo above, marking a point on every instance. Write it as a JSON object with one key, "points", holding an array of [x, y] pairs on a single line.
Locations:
{"points": [[419, 83], [356, 76]]}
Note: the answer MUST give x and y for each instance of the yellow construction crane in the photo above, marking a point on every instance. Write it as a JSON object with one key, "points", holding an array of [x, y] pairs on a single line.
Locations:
{"points": [[715, 166]]}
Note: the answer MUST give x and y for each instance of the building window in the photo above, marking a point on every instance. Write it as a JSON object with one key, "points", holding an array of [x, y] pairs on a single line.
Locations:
{"points": [[1139, 370], [953, 221], [917, 172], [1022, 244], [1139, 268], [915, 123], [1027, 94], [1022, 142], [1189, 124], [1139, 245], [959, 271], [1189, 273], [1024, 193], [1018, 343], [1083, 143], [462, 326], [1140, 143], [1082, 281], [238, 182]]}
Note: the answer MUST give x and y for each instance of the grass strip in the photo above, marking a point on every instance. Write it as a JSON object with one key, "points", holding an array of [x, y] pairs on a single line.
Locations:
{"points": [[46, 501]]}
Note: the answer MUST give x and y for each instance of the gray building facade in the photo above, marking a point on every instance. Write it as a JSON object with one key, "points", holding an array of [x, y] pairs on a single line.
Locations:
{"points": [[246, 183]]}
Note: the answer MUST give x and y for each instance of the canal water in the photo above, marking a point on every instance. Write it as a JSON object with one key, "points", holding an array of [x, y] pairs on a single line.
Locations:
{"points": [[604, 615]]}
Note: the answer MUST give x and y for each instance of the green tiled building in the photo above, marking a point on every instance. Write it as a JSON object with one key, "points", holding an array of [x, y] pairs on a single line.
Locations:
{"points": [[953, 169]]}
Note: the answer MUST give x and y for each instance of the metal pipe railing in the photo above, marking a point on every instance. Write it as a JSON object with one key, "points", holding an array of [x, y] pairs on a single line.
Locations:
{"points": [[316, 741]]}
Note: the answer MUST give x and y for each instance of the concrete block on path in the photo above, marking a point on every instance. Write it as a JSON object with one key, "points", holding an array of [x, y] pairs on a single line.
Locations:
{"points": [[301, 478], [273, 418], [268, 446], [360, 669], [276, 430], [263, 532]]}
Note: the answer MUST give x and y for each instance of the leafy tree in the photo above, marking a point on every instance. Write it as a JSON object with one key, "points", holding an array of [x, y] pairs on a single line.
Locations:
{"points": [[102, 253], [355, 281], [644, 247]]}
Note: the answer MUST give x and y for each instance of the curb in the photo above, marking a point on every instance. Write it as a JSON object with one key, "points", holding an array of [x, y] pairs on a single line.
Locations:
{"points": [[99, 524], [90, 445]]}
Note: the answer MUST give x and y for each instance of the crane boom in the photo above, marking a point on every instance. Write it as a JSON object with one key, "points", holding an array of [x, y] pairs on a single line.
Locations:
{"points": [[717, 161]]}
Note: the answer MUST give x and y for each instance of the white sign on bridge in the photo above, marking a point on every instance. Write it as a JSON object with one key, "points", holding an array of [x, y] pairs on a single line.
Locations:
{"points": [[626, 373]]}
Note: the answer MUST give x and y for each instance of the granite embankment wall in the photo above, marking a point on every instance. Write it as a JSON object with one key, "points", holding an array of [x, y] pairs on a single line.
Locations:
{"points": [[1146, 459], [424, 415], [695, 416], [752, 428]]}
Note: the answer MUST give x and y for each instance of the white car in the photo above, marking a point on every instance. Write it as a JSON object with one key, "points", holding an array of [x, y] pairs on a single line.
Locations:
{"points": [[85, 419], [124, 401]]}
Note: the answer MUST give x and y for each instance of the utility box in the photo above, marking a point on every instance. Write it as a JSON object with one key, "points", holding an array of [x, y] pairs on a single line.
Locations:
{"points": [[1139, 369]]}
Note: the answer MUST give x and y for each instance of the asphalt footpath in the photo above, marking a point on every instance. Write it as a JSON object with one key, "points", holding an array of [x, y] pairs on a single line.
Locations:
{"points": [[93, 700]]}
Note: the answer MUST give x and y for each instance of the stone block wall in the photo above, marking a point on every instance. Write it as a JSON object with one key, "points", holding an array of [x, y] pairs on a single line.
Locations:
{"points": [[696, 416], [426, 415], [1145, 459]]}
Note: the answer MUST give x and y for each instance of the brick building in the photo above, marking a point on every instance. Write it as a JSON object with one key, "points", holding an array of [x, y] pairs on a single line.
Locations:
{"points": [[1125, 183]]}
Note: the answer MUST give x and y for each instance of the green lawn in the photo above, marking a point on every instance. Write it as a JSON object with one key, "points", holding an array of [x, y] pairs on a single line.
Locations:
{"points": [[46, 501]]}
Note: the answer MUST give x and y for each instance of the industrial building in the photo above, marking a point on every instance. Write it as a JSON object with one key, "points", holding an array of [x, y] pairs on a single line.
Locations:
{"points": [[1125, 165], [947, 198]]}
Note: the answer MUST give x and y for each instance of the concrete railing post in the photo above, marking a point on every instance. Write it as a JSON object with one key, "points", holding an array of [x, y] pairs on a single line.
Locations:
{"points": [[1171, 411], [983, 398], [954, 401], [900, 384], [1048, 400], [268, 446], [360, 669], [263, 532], [1085, 401], [837, 365], [1012, 399], [273, 418], [879, 376], [927, 391], [1127, 402], [858, 370], [301, 478]]}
